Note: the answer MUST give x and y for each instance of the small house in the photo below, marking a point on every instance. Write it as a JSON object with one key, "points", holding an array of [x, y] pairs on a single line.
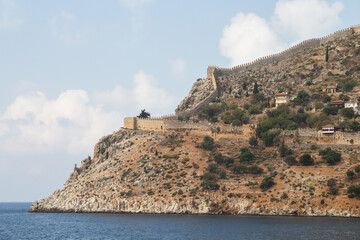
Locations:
{"points": [[328, 129], [338, 103], [282, 98], [329, 89]]}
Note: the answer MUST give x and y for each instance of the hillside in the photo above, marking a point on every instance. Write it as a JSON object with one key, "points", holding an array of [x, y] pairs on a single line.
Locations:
{"points": [[231, 150]]}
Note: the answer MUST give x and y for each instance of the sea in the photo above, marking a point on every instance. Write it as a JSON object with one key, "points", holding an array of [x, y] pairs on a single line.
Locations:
{"points": [[16, 222]]}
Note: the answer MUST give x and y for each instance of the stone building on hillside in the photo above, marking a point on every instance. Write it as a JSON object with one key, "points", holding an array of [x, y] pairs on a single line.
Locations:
{"points": [[338, 103], [281, 99]]}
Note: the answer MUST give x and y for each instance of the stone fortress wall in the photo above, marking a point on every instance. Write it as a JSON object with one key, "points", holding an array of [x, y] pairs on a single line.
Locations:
{"points": [[307, 44], [171, 122], [311, 135]]}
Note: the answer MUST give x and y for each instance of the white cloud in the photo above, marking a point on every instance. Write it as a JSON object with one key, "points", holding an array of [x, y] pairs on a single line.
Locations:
{"points": [[249, 36], [8, 17], [74, 121], [148, 95], [307, 18], [66, 29], [178, 67]]}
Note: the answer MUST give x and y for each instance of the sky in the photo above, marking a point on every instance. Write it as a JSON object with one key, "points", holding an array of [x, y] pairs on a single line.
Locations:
{"points": [[70, 71]]}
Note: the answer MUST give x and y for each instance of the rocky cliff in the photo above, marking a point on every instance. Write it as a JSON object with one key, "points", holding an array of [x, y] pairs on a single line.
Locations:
{"points": [[147, 172]]}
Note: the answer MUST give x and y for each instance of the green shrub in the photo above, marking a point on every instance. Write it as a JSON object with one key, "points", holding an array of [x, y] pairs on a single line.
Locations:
{"points": [[228, 161], [239, 168], [254, 109], [306, 160], [270, 138], [332, 157], [291, 160], [209, 181], [208, 143], [212, 168], [357, 169], [331, 182], [347, 112], [354, 190], [253, 141], [326, 99], [330, 110], [284, 150], [350, 174], [334, 191], [246, 156], [267, 183], [254, 169], [292, 126], [219, 158]]}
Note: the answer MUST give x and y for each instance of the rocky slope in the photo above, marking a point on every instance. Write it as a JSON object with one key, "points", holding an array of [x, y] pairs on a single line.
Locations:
{"points": [[307, 67], [147, 172]]}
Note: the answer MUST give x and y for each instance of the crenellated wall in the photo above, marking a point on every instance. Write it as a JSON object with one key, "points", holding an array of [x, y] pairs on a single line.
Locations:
{"points": [[307, 44]]}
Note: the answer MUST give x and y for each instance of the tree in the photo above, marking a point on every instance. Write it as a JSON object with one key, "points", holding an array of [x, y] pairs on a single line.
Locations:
{"points": [[267, 183], [302, 97], [350, 174], [326, 99], [256, 88], [354, 190], [212, 167], [209, 181], [246, 156], [208, 143], [330, 110], [354, 126], [332, 157], [253, 141], [357, 169], [143, 114], [284, 150], [327, 54], [306, 160], [219, 158], [347, 112]]}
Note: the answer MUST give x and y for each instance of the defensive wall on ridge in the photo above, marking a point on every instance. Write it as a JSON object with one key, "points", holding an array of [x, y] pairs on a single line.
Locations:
{"points": [[171, 122], [307, 44], [311, 135]]}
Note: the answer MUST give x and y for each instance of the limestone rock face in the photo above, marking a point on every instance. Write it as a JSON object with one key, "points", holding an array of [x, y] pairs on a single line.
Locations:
{"points": [[199, 91], [137, 171]]}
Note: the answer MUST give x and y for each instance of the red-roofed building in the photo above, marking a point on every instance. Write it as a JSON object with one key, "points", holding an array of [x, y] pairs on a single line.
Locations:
{"points": [[328, 129], [338, 103], [282, 98]]}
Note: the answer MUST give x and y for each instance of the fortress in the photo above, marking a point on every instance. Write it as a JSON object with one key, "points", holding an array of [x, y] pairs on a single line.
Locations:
{"points": [[171, 122]]}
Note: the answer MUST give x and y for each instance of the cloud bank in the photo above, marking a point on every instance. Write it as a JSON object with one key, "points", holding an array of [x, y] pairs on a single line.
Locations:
{"points": [[75, 120], [249, 36]]}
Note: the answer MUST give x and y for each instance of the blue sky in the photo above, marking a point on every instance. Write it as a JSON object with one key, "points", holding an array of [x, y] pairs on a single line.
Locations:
{"points": [[71, 70]]}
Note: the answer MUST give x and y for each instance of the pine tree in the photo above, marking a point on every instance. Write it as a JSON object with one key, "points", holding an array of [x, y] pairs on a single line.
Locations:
{"points": [[256, 88], [327, 54]]}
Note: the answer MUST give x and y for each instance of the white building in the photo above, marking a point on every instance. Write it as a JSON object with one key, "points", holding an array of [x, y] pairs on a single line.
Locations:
{"points": [[354, 106]]}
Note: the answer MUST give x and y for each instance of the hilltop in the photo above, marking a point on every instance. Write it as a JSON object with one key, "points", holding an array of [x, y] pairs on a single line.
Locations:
{"points": [[235, 147]]}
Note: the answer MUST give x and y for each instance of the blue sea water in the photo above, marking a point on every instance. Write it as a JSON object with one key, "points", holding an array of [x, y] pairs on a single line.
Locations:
{"points": [[17, 223]]}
